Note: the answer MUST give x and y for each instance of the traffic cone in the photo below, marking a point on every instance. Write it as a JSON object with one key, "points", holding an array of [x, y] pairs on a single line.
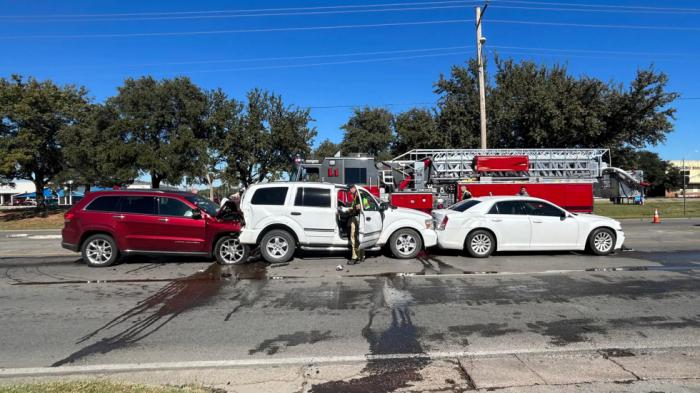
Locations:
{"points": [[657, 219]]}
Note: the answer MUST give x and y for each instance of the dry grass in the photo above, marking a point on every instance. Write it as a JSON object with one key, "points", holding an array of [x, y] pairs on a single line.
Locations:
{"points": [[30, 219], [96, 387]]}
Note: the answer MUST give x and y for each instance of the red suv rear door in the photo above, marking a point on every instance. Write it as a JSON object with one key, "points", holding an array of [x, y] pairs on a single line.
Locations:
{"points": [[139, 225]]}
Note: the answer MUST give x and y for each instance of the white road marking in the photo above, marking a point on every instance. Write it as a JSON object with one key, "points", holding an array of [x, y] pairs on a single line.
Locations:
{"points": [[125, 367], [44, 237]]}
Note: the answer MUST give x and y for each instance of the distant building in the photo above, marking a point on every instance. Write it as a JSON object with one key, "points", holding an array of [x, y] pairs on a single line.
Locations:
{"points": [[692, 171], [20, 187]]}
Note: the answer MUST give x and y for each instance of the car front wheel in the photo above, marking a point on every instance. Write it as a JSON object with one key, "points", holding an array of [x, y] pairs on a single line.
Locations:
{"points": [[405, 243], [277, 246], [99, 251], [480, 244], [230, 251], [601, 241]]}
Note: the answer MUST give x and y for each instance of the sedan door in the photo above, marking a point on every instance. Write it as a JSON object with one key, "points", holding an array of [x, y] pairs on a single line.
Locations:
{"points": [[370, 221], [511, 225], [552, 227]]}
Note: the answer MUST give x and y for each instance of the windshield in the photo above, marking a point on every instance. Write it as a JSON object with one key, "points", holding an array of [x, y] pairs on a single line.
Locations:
{"points": [[464, 205], [203, 203]]}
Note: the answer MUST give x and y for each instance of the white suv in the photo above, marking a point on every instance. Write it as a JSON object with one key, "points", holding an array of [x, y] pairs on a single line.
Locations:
{"points": [[282, 216]]}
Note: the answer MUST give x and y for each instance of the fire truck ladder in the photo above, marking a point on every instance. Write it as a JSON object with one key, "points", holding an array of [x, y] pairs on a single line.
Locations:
{"points": [[449, 165]]}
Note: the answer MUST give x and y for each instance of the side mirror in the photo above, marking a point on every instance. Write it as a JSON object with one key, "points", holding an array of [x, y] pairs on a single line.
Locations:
{"points": [[196, 214], [384, 206], [564, 215]]}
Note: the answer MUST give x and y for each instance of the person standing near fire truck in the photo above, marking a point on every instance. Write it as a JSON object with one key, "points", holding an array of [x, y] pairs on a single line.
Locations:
{"points": [[465, 194], [358, 255]]}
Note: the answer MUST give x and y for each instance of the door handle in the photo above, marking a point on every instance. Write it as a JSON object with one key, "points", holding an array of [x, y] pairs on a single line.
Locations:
{"points": [[537, 221], [368, 219], [496, 219], [163, 219], [120, 216], [296, 213]]}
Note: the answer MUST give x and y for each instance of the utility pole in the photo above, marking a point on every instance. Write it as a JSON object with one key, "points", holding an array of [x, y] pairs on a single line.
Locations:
{"points": [[683, 171], [480, 61]]}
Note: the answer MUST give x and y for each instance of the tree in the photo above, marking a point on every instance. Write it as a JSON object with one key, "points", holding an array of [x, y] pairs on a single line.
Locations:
{"points": [[215, 133], [326, 149], [33, 115], [165, 123], [96, 151], [417, 129], [262, 137], [458, 107], [369, 130]]}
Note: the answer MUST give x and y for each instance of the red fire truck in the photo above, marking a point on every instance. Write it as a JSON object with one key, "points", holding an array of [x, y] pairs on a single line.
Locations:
{"points": [[424, 179]]}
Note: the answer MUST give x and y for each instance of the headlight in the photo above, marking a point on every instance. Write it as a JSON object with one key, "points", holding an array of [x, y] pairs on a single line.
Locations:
{"points": [[429, 224]]}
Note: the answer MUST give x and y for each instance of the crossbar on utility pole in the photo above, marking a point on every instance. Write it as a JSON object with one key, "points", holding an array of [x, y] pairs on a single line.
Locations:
{"points": [[480, 61]]}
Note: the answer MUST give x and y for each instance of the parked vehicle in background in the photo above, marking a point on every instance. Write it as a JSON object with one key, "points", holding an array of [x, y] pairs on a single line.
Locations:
{"points": [[487, 224], [106, 224], [284, 216]]}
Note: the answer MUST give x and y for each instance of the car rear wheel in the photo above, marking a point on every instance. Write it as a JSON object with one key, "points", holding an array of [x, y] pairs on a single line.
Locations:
{"points": [[277, 246], [480, 244], [405, 243], [99, 251], [601, 241], [230, 251]]}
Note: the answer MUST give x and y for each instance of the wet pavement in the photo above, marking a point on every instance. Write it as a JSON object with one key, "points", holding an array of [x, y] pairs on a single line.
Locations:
{"points": [[58, 312]]}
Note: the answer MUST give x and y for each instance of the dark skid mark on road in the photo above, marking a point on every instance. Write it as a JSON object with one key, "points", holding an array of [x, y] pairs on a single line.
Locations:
{"points": [[483, 329], [400, 338], [274, 345], [151, 314]]}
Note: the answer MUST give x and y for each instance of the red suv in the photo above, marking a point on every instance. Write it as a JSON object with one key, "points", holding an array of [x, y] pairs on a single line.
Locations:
{"points": [[105, 224]]}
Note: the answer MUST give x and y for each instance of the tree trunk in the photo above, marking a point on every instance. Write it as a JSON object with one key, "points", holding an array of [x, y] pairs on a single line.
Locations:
{"points": [[155, 181], [87, 187], [40, 201], [211, 186]]}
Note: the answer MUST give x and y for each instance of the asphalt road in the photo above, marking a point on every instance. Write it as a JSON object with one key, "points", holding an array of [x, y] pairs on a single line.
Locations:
{"points": [[58, 312]]}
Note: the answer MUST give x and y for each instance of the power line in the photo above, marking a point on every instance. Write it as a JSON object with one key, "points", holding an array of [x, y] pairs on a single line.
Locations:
{"points": [[589, 25], [611, 6], [213, 32], [249, 10], [598, 10], [369, 105]]}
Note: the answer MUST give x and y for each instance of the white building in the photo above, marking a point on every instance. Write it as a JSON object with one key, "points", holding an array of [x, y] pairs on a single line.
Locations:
{"points": [[20, 187]]}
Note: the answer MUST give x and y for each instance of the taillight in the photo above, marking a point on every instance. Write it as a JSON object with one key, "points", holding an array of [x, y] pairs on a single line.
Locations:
{"points": [[443, 224], [68, 216]]}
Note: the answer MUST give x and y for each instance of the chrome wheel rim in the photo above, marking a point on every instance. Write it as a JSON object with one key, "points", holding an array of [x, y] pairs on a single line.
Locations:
{"points": [[277, 246], [603, 241], [99, 251], [480, 244], [232, 251], [405, 244]]}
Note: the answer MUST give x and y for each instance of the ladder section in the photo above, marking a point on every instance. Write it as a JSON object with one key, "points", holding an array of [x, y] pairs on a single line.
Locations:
{"points": [[455, 164]]}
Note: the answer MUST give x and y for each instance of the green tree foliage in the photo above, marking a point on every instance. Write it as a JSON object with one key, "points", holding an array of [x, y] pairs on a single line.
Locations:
{"points": [[262, 136], [326, 149], [416, 129], [369, 130], [96, 151], [545, 107], [165, 121], [33, 114]]}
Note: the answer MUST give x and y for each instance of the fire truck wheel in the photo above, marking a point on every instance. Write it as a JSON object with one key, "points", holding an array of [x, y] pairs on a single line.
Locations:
{"points": [[277, 246], [480, 243], [405, 243]]}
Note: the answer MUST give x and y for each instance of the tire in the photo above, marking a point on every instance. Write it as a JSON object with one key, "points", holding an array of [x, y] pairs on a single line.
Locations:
{"points": [[229, 251], [277, 246], [99, 251], [601, 241], [405, 243], [480, 244]]}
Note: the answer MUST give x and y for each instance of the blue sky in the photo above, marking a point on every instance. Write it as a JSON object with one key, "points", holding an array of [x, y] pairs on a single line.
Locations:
{"points": [[332, 69]]}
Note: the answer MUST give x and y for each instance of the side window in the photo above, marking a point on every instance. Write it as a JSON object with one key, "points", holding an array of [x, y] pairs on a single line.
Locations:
{"points": [[269, 196], [138, 204], [507, 207], [104, 204], [368, 202], [173, 207], [313, 197], [535, 208]]}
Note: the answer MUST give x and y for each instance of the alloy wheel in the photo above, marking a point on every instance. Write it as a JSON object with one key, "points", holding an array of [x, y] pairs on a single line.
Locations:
{"points": [[232, 251], [480, 243], [603, 241], [277, 246], [99, 251], [405, 244]]}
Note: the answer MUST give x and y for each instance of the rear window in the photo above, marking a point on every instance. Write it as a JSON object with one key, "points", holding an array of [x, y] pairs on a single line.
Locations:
{"points": [[138, 204], [269, 196], [464, 205], [104, 204], [313, 197]]}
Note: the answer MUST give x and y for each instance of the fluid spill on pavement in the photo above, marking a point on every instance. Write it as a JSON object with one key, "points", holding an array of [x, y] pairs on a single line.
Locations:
{"points": [[427, 261], [401, 337], [274, 345], [151, 314]]}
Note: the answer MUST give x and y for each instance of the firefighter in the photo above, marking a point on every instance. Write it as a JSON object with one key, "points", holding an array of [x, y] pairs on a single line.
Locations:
{"points": [[465, 194], [358, 255]]}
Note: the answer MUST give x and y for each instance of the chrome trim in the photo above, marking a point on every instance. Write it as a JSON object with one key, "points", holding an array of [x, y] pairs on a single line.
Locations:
{"points": [[319, 230], [164, 252]]}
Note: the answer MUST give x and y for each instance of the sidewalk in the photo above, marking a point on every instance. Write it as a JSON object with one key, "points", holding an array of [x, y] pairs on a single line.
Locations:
{"points": [[667, 370]]}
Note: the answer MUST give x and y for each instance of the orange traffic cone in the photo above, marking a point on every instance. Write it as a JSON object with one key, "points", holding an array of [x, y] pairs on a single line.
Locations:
{"points": [[657, 219]]}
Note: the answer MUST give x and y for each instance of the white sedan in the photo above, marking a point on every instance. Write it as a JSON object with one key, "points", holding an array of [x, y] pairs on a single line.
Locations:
{"points": [[517, 223]]}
